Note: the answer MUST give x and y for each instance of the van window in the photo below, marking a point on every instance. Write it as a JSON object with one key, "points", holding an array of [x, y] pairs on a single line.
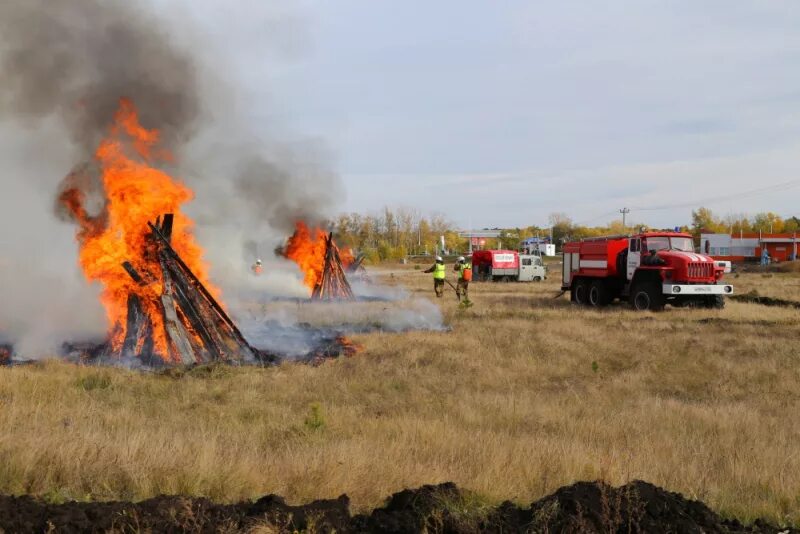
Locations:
{"points": [[526, 261]]}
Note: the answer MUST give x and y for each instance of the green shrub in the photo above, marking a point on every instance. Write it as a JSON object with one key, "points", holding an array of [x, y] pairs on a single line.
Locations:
{"points": [[94, 381], [315, 420]]}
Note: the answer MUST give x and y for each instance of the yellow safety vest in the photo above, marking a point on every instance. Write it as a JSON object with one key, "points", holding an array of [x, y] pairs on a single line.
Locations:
{"points": [[466, 266], [438, 271]]}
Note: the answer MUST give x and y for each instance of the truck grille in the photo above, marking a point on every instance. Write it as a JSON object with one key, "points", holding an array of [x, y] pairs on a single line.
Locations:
{"points": [[698, 269]]}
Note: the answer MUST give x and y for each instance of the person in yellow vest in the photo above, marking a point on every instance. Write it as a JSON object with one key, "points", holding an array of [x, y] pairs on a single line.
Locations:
{"points": [[257, 267], [464, 269], [438, 276]]}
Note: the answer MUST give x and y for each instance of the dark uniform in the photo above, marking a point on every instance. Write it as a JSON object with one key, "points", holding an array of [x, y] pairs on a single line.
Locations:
{"points": [[464, 270]]}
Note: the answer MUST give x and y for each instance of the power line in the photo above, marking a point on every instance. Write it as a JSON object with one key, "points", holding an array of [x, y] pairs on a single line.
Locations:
{"points": [[733, 196], [783, 186], [587, 221], [624, 212]]}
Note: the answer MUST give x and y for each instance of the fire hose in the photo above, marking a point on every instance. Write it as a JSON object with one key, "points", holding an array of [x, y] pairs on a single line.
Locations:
{"points": [[454, 287]]}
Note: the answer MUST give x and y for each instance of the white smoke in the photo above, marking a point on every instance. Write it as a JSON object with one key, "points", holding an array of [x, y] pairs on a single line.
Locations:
{"points": [[292, 327]]}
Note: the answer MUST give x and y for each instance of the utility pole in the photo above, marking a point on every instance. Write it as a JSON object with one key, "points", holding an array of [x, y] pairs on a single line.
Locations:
{"points": [[624, 212]]}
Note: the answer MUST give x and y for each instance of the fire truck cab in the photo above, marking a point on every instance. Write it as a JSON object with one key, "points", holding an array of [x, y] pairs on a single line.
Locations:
{"points": [[649, 270]]}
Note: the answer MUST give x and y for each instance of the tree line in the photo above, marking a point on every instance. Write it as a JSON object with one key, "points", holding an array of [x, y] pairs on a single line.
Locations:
{"points": [[764, 222], [393, 234]]}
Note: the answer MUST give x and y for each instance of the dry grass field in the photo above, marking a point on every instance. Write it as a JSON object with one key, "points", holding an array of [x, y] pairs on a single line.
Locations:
{"points": [[526, 393]]}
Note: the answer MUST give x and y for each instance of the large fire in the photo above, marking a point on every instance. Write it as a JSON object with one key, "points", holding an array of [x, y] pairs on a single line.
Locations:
{"points": [[307, 248], [135, 193]]}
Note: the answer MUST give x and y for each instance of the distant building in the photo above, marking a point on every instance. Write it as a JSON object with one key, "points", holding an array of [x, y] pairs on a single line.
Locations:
{"points": [[481, 239], [542, 245], [748, 246]]}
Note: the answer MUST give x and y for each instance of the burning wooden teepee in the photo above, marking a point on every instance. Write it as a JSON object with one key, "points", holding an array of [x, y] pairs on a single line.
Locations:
{"points": [[333, 284], [196, 328]]}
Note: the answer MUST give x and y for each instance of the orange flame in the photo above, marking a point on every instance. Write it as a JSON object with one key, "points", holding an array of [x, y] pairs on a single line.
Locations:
{"points": [[136, 193], [349, 347], [306, 248]]}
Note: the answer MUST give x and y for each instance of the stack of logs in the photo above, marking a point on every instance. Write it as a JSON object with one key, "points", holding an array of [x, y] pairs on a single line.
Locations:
{"points": [[333, 284], [197, 328]]}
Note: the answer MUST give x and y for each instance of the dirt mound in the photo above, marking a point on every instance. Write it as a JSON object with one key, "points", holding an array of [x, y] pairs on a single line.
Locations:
{"points": [[172, 514], [581, 507], [635, 507]]}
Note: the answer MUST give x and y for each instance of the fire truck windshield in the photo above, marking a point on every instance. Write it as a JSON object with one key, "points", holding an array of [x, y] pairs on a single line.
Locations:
{"points": [[656, 243], [669, 243], [682, 243]]}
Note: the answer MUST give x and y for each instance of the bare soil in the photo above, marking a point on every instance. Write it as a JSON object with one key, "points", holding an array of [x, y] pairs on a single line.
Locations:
{"points": [[581, 507]]}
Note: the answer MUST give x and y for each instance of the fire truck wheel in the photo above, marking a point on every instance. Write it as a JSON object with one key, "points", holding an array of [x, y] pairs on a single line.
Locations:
{"points": [[581, 292], [647, 296], [537, 278], [598, 294]]}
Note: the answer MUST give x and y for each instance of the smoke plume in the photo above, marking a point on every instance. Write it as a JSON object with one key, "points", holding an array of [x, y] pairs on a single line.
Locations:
{"points": [[76, 59], [65, 65]]}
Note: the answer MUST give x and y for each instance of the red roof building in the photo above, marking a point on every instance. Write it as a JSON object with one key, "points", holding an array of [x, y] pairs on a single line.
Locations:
{"points": [[749, 246]]}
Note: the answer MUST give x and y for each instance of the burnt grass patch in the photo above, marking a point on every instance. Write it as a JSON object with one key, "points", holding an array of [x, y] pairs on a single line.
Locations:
{"points": [[755, 298], [581, 507]]}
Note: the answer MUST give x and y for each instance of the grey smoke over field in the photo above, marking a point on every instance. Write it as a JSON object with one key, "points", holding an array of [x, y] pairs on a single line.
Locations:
{"points": [[292, 330], [65, 65]]}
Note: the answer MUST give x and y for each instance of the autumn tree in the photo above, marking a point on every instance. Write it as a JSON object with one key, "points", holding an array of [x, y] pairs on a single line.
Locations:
{"points": [[562, 226], [704, 220], [768, 222]]}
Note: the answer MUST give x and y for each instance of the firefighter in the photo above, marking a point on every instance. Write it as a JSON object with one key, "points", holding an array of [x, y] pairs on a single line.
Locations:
{"points": [[464, 270], [438, 276], [257, 267]]}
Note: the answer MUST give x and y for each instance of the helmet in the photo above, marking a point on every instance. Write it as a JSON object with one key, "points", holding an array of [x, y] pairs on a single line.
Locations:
{"points": [[258, 262], [439, 258], [462, 259]]}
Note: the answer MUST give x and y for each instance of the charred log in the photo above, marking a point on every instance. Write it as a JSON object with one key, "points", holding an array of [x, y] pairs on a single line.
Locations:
{"points": [[138, 341], [357, 265]]}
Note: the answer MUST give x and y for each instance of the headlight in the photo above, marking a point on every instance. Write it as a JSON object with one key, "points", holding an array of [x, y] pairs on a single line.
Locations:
{"points": [[728, 289], [676, 289]]}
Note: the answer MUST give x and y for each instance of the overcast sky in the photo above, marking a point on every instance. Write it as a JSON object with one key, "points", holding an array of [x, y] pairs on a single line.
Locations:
{"points": [[499, 113]]}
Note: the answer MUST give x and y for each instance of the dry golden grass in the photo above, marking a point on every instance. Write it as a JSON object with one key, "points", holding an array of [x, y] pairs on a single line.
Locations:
{"points": [[525, 394], [769, 284]]}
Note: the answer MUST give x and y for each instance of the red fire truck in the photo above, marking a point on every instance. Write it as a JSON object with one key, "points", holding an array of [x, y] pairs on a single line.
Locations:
{"points": [[648, 270]]}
